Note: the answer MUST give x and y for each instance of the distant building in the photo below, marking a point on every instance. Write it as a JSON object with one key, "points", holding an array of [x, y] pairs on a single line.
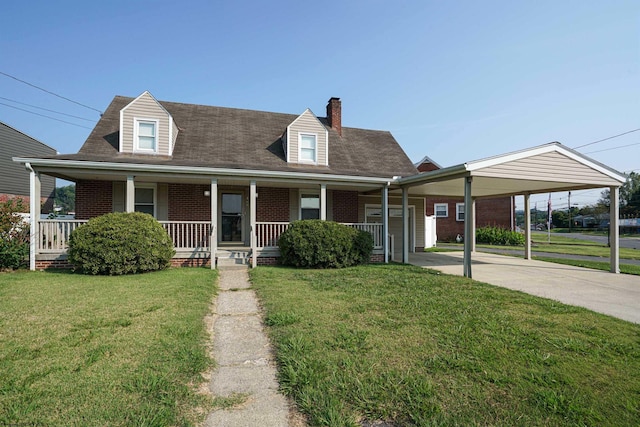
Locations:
{"points": [[449, 211], [14, 178]]}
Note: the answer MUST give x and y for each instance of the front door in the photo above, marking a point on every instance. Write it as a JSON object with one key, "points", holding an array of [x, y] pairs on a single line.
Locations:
{"points": [[231, 217]]}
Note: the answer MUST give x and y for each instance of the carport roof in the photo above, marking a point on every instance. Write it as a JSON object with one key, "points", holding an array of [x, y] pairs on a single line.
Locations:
{"points": [[547, 168]]}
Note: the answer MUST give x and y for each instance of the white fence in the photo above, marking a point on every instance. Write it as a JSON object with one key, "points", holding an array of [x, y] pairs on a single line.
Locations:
{"points": [[374, 229]]}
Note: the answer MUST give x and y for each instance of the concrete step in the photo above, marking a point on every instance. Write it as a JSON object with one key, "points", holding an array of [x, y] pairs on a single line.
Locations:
{"points": [[233, 256]]}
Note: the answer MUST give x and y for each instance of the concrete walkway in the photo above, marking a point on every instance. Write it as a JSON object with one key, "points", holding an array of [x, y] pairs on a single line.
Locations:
{"points": [[244, 360], [617, 295]]}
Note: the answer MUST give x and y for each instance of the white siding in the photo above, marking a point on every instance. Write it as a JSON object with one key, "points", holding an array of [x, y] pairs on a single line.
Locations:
{"points": [[146, 107], [548, 167], [395, 224], [117, 198], [307, 122]]}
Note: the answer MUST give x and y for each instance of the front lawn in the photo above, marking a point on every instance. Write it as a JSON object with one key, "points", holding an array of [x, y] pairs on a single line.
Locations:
{"points": [[415, 347], [118, 351]]}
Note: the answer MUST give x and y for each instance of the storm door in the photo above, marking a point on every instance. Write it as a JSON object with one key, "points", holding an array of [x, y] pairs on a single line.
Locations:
{"points": [[231, 217]]}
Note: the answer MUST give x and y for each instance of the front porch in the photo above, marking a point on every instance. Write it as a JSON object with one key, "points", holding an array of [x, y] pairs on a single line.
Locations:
{"points": [[192, 242]]}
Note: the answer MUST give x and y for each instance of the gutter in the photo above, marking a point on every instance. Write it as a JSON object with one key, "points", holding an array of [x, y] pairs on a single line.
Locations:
{"points": [[250, 173]]}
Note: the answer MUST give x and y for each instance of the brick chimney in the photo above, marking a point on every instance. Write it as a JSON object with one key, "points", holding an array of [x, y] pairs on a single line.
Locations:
{"points": [[334, 114]]}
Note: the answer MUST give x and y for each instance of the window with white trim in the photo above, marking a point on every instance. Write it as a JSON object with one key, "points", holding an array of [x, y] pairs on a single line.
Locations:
{"points": [[441, 210], [459, 211], [309, 206], [146, 138], [308, 148], [145, 200]]}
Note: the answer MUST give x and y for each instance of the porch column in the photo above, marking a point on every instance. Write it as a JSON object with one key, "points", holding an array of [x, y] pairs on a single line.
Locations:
{"points": [[527, 226], [614, 229], [213, 233], [252, 215], [468, 226], [130, 195], [473, 224], [34, 215], [323, 202], [385, 223], [405, 225]]}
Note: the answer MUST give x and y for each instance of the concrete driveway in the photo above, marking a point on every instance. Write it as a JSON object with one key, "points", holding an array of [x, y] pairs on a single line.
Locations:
{"points": [[617, 295]]}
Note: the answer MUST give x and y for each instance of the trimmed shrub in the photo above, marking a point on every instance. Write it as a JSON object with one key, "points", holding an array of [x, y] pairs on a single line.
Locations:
{"points": [[324, 244], [499, 236], [120, 243], [14, 234]]}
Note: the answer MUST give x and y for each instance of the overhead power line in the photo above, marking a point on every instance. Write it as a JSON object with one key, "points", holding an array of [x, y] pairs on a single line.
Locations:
{"points": [[44, 115], [46, 109], [50, 93], [606, 139], [613, 148]]}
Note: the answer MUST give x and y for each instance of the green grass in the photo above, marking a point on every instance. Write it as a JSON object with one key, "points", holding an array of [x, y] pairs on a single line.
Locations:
{"points": [[596, 265], [119, 351], [564, 245], [415, 347]]}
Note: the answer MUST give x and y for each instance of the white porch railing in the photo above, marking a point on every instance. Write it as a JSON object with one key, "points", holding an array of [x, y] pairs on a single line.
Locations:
{"points": [[54, 234], [374, 229], [185, 235], [188, 235], [268, 233]]}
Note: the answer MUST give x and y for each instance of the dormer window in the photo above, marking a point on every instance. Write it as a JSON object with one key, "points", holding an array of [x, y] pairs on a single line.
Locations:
{"points": [[308, 148], [146, 138]]}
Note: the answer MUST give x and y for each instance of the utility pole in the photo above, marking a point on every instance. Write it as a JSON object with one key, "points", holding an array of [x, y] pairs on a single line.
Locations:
{"points": [[569, 211]]}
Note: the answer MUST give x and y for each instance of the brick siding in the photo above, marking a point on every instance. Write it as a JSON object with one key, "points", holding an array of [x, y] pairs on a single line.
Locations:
{"points": [[93, 198], [272, 204], [345, 206], [489, 212], [187, 202]]}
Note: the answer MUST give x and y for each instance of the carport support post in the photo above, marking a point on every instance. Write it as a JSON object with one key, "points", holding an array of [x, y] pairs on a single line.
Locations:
{"points": [[323, 202], [130, 195], [252, 213], [213, 233], [468, 226], [527, 226], [614, 229], [385, 223], [405, 225]]}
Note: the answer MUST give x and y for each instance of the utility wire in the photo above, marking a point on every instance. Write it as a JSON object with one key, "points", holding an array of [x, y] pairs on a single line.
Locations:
{"points": [[42, 115], [50, 93], [606, 139], [613, 148], [46, 109]]}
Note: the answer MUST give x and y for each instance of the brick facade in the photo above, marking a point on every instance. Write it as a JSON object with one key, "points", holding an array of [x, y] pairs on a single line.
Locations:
{"points": [[345, 206], [272, 205], [187, 202], [46, 203], [93, 198], [489, 212]]}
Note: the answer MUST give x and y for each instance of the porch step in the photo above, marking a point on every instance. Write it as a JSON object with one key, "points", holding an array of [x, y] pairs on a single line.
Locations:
{"points": [[233, 256]]}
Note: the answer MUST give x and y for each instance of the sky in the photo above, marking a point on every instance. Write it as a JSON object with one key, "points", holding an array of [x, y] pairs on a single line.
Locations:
{"points": [[453, 80]]}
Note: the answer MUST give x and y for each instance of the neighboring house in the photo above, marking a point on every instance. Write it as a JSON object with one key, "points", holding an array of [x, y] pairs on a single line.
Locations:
{"points": [[449, 211], [14, 181], [229, 181]]}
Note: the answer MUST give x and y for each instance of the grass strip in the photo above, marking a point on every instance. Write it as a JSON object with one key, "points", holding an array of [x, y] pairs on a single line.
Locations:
{"points": [[81, 350], [411, 346], [596, 265]]}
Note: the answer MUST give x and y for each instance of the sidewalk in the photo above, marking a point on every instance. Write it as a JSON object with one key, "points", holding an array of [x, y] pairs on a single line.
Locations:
{"points": [[243, 356]]}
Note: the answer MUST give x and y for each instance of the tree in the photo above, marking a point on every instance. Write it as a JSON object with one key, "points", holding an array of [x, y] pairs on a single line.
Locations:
{"points": [[65, 198], [629, 195]]}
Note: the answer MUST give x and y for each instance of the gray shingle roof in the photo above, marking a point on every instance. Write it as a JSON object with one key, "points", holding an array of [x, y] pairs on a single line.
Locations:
{"points": [[246, 139]]}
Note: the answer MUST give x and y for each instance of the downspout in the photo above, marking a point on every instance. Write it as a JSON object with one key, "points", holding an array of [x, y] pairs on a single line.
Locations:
{"points": [[33, 238]]}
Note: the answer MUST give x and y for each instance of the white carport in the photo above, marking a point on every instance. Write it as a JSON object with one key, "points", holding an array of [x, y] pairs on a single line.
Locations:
{"points": [[543, 169]]}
